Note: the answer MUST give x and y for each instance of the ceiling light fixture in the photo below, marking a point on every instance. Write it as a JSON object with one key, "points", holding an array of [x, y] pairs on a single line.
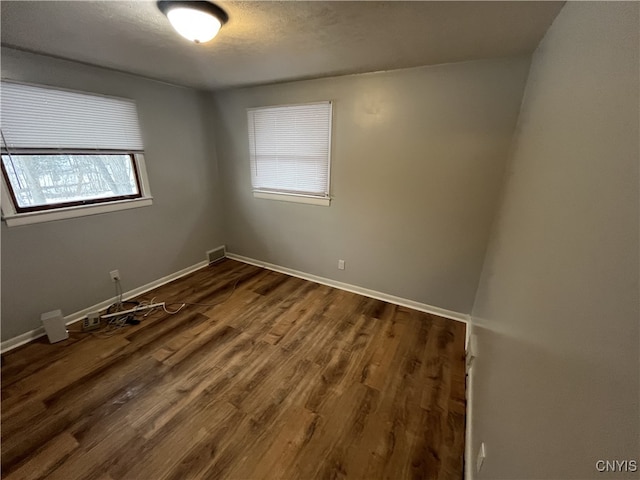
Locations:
{"points": [[195, 20]]}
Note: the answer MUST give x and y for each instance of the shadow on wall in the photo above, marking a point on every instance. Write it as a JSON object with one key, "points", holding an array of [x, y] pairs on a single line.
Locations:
{"points": [[233, 218]]}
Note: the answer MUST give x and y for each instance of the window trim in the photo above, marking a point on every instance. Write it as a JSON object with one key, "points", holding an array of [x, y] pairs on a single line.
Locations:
{"points": [[299, 197], [13, 217]]}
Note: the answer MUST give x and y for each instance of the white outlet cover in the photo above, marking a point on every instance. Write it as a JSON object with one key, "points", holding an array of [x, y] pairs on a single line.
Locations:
{"points": [[482, 453], [340, 264]]}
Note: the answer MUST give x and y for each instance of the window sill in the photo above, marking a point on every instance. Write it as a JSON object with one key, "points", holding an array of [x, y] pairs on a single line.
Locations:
{"points": [[290, 197], [16, 219]]}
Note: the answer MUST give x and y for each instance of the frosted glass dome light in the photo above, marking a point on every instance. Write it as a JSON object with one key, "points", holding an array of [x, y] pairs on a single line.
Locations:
{"points": [[196, 21]]}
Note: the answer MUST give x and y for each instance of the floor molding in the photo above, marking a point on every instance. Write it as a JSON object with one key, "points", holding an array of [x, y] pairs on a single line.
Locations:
{"points": [[423, 307], [77, 316], [469, 461]]}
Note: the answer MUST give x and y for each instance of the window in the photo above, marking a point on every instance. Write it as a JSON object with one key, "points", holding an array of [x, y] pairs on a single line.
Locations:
{"points": [[67, 154], [39, 182], [290, 152]]}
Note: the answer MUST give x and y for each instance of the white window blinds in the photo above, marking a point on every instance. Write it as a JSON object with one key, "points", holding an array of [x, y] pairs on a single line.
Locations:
{"points": [[45, 118], [290, 148]]}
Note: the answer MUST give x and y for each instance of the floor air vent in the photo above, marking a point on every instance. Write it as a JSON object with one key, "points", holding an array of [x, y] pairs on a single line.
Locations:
{"points": [[216, 254]]}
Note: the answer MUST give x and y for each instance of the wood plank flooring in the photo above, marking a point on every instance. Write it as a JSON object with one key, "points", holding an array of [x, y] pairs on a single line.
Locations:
{"points": [[280, 379]]}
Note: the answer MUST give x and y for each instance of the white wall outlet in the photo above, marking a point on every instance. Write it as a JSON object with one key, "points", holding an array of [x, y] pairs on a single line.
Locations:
{"points": [[482, 454], [115, 275], [91, 321], [340, 264]]}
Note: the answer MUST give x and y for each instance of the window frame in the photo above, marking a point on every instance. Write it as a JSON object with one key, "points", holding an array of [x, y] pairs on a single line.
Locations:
{"points": [[14, 215], [294, 196], [75, 203]]}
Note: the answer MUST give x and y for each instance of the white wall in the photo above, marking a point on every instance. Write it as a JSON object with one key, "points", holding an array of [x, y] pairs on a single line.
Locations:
{"points": [[417, 162], [65, 264], [556, 383]]}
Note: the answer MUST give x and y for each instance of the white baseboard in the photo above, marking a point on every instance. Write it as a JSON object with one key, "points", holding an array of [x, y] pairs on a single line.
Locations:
{"points": [[423, 307], [469, 461], [74, 317]]}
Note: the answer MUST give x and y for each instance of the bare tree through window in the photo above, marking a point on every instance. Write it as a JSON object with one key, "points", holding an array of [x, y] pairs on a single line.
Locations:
{"points": [[45, 179]]}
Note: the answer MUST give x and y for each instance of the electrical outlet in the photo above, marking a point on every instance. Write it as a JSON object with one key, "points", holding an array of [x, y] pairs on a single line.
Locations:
{"points": [[340, 264], [91, 322], [115, 275], [482, 454]]}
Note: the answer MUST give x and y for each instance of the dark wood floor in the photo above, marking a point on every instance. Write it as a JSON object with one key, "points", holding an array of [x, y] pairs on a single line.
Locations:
{"points": [[286, 379]]}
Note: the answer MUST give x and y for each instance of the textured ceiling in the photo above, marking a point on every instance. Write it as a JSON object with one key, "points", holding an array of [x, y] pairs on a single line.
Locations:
{"points": [[266, 42]]}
